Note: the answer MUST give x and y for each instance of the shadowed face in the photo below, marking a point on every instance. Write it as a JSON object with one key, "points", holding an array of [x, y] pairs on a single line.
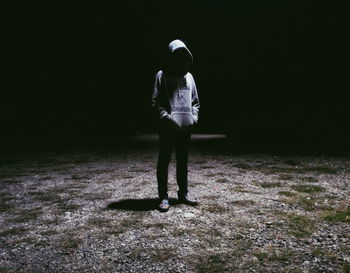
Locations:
{"points": [[181, 61]]}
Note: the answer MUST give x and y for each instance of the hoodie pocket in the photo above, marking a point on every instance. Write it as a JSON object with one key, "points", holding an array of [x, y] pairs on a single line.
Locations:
{"points": [[182, 119]]}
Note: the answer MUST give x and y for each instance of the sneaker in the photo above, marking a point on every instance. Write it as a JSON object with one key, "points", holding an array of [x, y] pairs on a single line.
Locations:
{"points": [[187, 201], [164, 205]]}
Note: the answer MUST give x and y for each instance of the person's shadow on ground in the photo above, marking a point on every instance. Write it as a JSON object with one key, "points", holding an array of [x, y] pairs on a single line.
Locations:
{"points": [[145, 204]]}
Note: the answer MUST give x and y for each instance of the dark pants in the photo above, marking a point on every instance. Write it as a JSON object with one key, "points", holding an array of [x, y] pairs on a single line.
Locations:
{"points": [[168, 140]]}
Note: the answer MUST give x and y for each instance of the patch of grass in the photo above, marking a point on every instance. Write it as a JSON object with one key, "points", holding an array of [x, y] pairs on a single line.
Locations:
{"points": [[214, 263], [206, 167], [331, 196], [98, 221], [270, 184], [307, 188], [243, 203], [158, 254], [139, 170], [10, 181], [128, 176], [339, 216], [240, 188], [201, 161], [79, 176], [45, 177], [100, 171], [320, 169], [287, 193], [317, 251], [131, 222], [45, 196], [62, 169], [216, 208], [65, 207], [346, 268], [180, 232], [195, 183], [324, 253], [244, 166], [225, 261], [345, 248], [285, 176], [238, 236], [299, 225], [4, 269], [53, 221], [13, 231], [309, 179], [11, 174], [307, 204], [163, 254], [116, 230], [276, 255], [275, 170], [156, 225], [211, 197], [27, 215], [243, 225], [209, 233], [296, 170], [70, 241], [311, 203], [37, 171], [262, 256], [97, 196], [75, 186], [292, 162], [49, 232], [4, 198], [194, 222], [135, 189], [223, 180], [257, 212], [215, 174], [58, 189], [27, 240]]}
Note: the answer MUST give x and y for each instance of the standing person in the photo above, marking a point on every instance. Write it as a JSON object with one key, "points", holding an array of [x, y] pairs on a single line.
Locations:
{"points": [[175, 101]]}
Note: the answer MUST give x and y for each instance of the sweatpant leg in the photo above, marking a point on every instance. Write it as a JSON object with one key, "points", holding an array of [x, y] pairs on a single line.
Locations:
{"points": [[166, 142], [182, 146]]}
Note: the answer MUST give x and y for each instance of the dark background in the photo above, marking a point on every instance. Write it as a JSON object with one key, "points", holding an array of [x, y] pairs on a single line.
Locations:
{"points": [[269, 74]]}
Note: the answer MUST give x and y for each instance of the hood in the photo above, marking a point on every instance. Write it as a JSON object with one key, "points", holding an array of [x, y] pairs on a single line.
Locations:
{"points": [[177, 44], [179, 59]]}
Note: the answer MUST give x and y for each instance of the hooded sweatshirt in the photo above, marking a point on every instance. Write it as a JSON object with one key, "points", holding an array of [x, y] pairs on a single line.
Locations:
{"points": [[175, 94]]}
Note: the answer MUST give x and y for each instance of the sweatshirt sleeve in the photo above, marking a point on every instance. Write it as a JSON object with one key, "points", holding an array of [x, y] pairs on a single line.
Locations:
{"points": [[159, 109], [195, 102]]}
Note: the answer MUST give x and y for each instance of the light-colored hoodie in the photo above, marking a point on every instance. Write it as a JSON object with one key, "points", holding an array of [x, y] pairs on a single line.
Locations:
{"points": [[175, 94]]}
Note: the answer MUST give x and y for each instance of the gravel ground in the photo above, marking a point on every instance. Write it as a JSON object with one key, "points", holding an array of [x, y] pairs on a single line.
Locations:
{"points": [[95, 211]]}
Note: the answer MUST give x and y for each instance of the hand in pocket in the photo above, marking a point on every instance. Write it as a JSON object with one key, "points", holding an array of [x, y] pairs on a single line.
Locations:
{"points": [[170, 124], [174, 124]]}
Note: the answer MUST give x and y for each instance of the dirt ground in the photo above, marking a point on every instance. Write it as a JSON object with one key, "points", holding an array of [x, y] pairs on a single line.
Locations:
{"points": [[95, 211]]}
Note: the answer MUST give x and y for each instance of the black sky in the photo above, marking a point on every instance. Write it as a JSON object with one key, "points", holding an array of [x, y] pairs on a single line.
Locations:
{"points": [[265, 70]]}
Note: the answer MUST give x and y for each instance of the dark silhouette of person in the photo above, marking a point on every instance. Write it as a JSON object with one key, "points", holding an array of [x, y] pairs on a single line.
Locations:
{"points": [[176, 103]]}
